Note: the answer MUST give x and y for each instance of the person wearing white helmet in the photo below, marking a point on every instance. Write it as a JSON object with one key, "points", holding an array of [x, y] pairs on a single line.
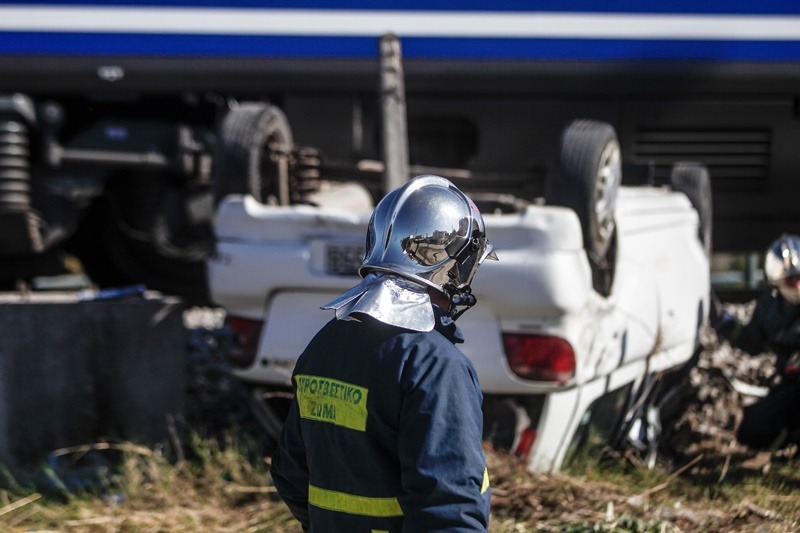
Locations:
{"points": [[782, 267], [384, 433], [773, 327]]}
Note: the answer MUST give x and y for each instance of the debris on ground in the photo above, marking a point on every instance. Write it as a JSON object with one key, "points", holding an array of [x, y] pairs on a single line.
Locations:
{"points": [[724, 381]]}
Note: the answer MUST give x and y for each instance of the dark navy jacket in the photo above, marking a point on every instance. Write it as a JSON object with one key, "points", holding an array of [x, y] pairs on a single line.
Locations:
{"points": [[775, 325], [384, 433]]}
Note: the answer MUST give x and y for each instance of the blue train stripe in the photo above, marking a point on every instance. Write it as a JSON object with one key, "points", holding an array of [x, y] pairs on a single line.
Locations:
{"points": [[100, 44], [404, 23], [188, 29], [776, 7]]}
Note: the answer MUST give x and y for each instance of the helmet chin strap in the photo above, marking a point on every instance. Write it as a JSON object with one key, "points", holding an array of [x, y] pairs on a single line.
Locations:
{"points": [[459, 297]]}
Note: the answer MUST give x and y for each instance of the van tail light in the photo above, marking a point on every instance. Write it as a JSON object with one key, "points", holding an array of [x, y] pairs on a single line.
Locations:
{"points": [[523, 449], [244, 345], [540, 357]]}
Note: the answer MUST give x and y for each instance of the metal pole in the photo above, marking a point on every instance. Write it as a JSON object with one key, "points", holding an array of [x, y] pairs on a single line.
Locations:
{"points": [[393, 104]]}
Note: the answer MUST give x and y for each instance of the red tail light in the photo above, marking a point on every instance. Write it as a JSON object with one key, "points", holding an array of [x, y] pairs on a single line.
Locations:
{"points": [[246, 333], [526, 440], [540, 357]]}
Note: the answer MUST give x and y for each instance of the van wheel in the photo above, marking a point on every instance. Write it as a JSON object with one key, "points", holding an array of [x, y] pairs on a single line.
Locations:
{"points": [[692, 179], [252, 153], [587, 179]]}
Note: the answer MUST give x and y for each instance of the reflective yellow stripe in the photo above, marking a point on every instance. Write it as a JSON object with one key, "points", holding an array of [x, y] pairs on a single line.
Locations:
{"points": [[332, 401], [351, 504], [485, 485]]}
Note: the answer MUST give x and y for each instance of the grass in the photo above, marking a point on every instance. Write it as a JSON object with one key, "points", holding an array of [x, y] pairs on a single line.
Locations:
{"points": [[609, 492], [220, 488], [225, 487]]}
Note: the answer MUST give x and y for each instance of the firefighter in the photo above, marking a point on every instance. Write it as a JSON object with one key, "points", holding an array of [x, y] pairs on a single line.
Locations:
{"points": [[384, 433], [774, 326]]}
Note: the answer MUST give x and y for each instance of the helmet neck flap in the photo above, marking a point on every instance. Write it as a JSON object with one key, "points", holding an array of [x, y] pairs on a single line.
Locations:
{"points": [[389, 299]]}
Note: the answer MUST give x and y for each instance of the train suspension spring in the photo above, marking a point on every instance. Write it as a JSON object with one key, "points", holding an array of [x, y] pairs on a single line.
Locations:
{"points": [[15, 167]]}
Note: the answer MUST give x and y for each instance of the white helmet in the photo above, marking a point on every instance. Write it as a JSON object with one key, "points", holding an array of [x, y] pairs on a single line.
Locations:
{"points": [[430, 232], [782, 267]]}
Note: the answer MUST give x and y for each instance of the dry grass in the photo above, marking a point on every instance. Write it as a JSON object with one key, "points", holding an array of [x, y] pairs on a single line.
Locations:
{"points": [[221, 488], [609, 492]]}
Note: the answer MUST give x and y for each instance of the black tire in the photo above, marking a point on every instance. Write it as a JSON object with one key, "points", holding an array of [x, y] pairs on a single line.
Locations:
{"points": [[587, 179], [693, 180], [249, 138]]}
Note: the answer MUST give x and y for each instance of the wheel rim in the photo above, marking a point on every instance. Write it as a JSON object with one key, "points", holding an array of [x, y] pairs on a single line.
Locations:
{"points": [[609, 175]]}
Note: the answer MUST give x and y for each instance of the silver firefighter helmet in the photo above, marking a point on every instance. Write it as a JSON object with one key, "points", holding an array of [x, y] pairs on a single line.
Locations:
{"points": [[430, 232], [782, 267]]}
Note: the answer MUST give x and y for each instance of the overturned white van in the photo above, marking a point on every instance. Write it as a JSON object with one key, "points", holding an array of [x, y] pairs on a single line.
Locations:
{"points": [[597, 299]]}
